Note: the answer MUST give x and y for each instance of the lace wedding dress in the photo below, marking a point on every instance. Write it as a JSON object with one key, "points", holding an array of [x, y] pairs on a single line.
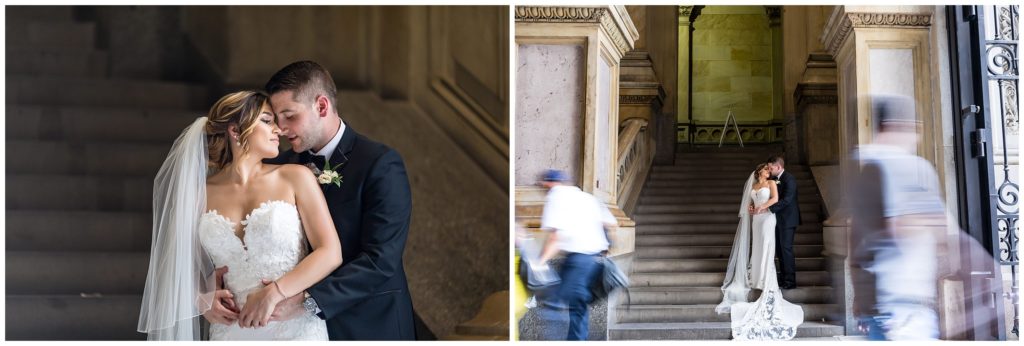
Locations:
{"points": [[770, 317], [272, 244]]}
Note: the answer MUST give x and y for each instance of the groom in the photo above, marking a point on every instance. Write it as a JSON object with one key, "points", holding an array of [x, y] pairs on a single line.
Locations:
{"points": [[787, 216], [367, 298]]}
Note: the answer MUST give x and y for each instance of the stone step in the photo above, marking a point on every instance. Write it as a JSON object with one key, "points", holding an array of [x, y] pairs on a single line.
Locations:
{"points": [[104, 93], [73, 317], [755, 154], [715, 165], [692, 198], [95, 123], [669, 252], [713, 295], [706, 313], [659, 183], [31, 272], [660, 208], [51, 62], [706, 331], [45, 230], [710, 265], [725, 217], [490, 323], [732, 191], [710, 228], [39, 13], [735, 175], [803, 278], [748, 161], [85, 158], [723, 239], [50, 33], [72, 192]]}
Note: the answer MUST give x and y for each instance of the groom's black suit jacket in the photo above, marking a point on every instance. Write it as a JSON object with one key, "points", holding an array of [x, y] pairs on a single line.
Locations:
{"points": [[367, 298], [787, 209]]}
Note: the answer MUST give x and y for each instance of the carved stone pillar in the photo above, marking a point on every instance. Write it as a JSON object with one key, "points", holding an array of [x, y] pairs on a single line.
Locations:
{"points": [[640, 92], [567, 106], [642, 96], [816, 102], [686, 15]]}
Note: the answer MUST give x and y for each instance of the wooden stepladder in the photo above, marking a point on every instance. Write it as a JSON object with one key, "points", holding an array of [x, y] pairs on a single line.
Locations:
{"points": [[735, 127]]}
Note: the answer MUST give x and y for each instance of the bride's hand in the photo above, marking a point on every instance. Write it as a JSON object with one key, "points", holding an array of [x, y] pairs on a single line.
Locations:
{"points": [[259, 306], [287, 309], [220, 312]]}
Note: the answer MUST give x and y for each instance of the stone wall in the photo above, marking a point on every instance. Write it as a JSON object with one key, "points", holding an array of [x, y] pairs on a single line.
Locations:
{"points": [[550, 129], [732, 67]]}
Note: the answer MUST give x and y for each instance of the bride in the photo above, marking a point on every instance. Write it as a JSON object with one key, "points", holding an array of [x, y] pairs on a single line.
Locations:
{"points": [[770, 317], [216, 205]]}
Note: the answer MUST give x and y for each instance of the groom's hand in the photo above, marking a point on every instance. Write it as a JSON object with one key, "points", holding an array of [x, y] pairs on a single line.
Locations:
{"points": [[287, 309], [259, 306], [219, 312], [219, 273]]}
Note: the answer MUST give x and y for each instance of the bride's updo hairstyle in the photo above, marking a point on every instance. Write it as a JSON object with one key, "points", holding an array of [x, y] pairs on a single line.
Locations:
{"points": [[757, 171], [240, 108]]}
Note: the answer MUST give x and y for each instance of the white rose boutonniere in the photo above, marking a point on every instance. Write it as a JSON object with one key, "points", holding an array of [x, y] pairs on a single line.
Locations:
{"points": [[327, 176], [778, 182]]}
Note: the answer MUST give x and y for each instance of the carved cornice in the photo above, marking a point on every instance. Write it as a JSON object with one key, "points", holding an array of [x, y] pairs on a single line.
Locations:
{"points": [[616, 24], [543, 14], [842, 23], [869, 20]]}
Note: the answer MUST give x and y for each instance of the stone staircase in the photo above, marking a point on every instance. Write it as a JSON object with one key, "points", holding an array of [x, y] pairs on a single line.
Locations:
{"points": [[686, 221], [82, 149]]}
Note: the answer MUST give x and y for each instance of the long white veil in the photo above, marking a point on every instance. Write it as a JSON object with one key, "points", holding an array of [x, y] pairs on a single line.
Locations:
{"points": [[180, 284], [735, 287]]}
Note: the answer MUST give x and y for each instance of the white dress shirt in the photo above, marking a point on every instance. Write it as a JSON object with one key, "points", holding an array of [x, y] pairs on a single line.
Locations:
{"points": [[578, 218], [328, 149]]}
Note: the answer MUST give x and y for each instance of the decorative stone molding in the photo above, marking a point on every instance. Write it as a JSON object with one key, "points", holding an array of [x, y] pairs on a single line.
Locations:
{"points": [[684, 11], [613, 19], [815, 93], [841, 23], [538, 14], [637, 99], [865, 20], [750, 134]]}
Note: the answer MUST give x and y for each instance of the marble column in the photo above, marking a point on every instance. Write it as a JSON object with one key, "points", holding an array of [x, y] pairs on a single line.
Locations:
{"points": [[567, 104]]}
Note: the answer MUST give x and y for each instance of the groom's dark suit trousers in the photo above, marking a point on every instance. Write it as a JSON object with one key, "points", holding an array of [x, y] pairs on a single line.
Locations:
{"points": [[787, 216]]}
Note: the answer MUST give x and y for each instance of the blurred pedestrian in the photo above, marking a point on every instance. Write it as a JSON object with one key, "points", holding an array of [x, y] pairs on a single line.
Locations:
{"points": [[576, 223], [898, 226]]}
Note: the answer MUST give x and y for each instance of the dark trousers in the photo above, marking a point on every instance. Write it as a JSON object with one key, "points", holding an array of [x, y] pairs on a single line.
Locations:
{"points": [[577, 272], [784, 251]]}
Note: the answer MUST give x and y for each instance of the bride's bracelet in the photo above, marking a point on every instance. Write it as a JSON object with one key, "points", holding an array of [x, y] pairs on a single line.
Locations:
{"points": [[279, 290]]}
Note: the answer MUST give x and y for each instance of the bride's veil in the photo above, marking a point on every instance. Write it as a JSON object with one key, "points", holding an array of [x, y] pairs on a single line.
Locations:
{"points": [[735, 286], [180, 283]]}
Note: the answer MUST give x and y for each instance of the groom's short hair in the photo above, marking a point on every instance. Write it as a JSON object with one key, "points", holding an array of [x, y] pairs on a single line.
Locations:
{"points": [[306, 79], [777, 159]]}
